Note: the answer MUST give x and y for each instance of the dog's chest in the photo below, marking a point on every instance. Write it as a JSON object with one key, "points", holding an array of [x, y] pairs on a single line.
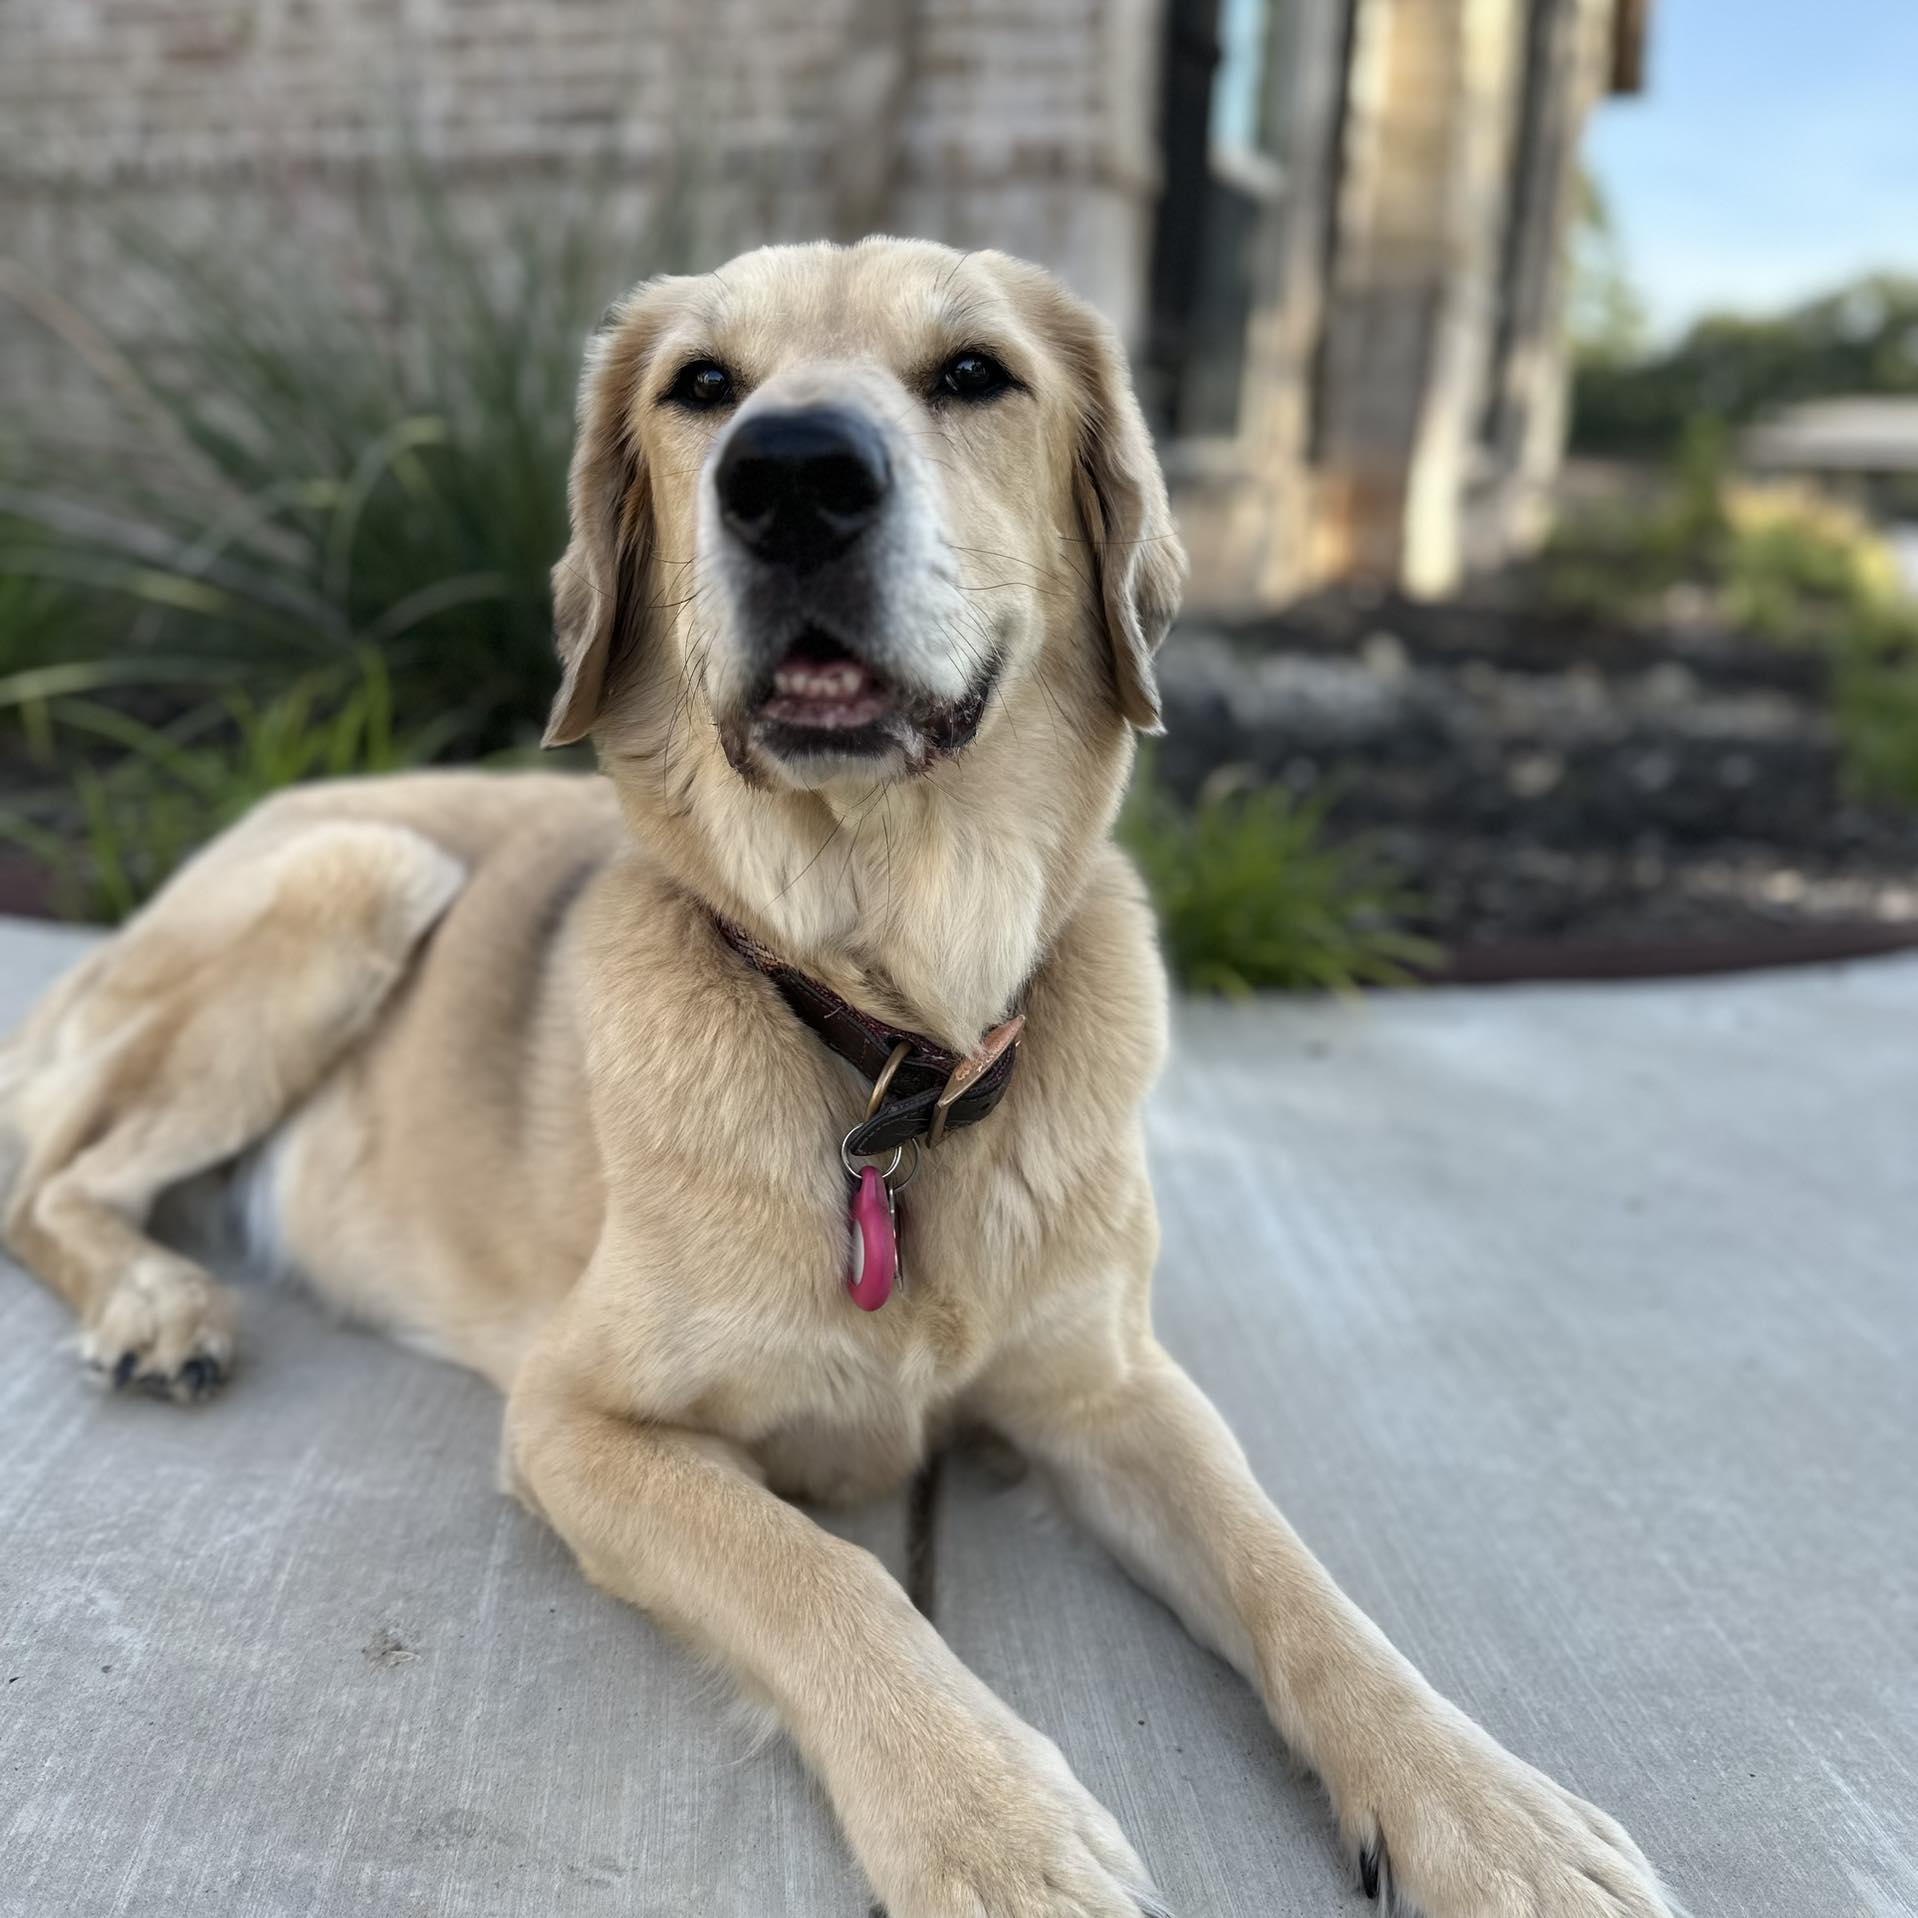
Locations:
{"points": [[837, 1402]]}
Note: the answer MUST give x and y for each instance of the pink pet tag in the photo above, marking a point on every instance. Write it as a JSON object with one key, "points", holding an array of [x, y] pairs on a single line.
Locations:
{"points": [[875, 1243]]}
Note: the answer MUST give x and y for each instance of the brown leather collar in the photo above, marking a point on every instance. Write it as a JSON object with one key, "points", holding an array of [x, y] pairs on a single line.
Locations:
{"points": [[928, 1093]]}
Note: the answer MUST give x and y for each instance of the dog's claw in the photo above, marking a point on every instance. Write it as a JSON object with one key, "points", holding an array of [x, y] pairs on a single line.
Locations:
{"points": [[197, 1378], [200, 1375]]}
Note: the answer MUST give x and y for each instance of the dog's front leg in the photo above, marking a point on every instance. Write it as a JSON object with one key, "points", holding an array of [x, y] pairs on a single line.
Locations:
{"points": [[1433, 1807], [954, 1806]]}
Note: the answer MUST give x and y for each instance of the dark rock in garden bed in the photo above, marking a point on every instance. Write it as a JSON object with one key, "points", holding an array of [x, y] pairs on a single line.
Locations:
{"points": [[1537, 781]]}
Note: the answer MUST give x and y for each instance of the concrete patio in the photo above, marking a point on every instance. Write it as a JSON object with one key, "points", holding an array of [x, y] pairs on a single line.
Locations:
{"points": [[1576, 1328]]}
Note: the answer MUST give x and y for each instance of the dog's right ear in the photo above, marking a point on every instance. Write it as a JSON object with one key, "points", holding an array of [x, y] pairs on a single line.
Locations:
{"points": [[599, 582]]}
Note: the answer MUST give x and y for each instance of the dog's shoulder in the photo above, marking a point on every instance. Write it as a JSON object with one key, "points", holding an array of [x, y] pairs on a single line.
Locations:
{"points": [[1102, 986]]}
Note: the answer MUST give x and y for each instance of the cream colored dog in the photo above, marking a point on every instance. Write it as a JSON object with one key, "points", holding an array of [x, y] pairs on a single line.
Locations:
{"points": [[870, 556]]}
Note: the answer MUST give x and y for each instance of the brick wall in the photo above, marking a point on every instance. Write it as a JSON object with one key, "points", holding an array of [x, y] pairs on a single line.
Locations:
{"points": [[1022, 123]]}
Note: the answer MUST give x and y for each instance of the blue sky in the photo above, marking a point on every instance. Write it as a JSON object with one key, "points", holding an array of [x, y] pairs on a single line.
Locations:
{"points": [[1774, 154]]}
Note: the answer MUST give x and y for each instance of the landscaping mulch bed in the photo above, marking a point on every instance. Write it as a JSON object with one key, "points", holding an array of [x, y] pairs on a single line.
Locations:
{"points": [[1566, 800]]}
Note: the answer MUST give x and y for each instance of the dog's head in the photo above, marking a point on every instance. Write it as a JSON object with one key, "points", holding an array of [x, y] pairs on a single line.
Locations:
{"points": [[855, 507]]}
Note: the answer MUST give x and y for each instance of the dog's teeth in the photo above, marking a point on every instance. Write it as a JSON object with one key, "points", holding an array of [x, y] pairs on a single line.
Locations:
{"points": [[837, 681]]}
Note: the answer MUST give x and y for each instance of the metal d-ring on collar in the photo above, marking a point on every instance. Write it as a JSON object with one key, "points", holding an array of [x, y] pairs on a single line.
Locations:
{"points": [[886, 1076], [900, 1053]]}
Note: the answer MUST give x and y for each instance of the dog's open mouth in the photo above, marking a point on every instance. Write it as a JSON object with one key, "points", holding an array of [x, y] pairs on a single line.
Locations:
{"points": [[820, 687], [824, 701]]}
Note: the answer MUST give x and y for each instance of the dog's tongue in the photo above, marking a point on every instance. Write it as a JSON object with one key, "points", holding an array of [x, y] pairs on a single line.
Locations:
{"points": [[828, 693]]}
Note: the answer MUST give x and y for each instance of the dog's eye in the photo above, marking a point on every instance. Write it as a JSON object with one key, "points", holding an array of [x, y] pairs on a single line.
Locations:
{"points": [[971, 376], [701, 385]]}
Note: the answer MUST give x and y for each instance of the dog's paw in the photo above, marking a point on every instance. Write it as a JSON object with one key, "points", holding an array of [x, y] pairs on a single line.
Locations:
{"points": [[1000, 1828], [165, 1327], [1451, 1825]]}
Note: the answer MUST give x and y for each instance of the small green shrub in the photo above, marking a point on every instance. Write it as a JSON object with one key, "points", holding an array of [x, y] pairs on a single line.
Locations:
{"points": [[1877, 715], [323, 449], [110, 827], [36, 621], [1610, 564], [1615, 562], [1786, 582], [333, 492], [1780, 563], [1252, 895], [1802, 569]]}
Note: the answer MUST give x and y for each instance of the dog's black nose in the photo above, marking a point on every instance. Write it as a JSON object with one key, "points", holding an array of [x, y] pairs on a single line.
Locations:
{"points": [[798, 487]]}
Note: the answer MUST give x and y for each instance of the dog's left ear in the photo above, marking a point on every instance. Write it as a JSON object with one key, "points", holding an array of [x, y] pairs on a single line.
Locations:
{"points": [[599, 582], [1139, 566]]}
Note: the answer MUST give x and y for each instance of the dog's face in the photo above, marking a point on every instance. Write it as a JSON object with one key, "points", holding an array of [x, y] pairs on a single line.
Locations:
{"points": [[851, 506]]}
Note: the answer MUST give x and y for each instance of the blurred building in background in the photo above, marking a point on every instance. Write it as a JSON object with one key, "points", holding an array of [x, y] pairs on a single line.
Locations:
{"points": [[1333, 231], [1359, 277]]}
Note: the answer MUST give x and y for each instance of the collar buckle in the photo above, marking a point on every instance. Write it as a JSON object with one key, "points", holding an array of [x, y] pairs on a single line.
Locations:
{"points": [[969, 1071]]}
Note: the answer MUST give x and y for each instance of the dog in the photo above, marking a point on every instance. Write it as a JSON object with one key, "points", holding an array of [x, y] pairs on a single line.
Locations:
{"points": [[758, 1112]]}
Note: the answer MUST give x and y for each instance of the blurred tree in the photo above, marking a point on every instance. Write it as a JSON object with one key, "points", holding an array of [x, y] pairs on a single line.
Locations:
{"points": [[1863, 338]]}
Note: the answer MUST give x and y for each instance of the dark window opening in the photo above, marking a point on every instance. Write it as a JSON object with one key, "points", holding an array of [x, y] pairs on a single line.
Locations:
{"points": [[1525, 176], [1222, 129], [1319, 383]]}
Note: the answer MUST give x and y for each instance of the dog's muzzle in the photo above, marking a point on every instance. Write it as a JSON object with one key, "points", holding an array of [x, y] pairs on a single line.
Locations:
{"points": [[840, 655]]}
